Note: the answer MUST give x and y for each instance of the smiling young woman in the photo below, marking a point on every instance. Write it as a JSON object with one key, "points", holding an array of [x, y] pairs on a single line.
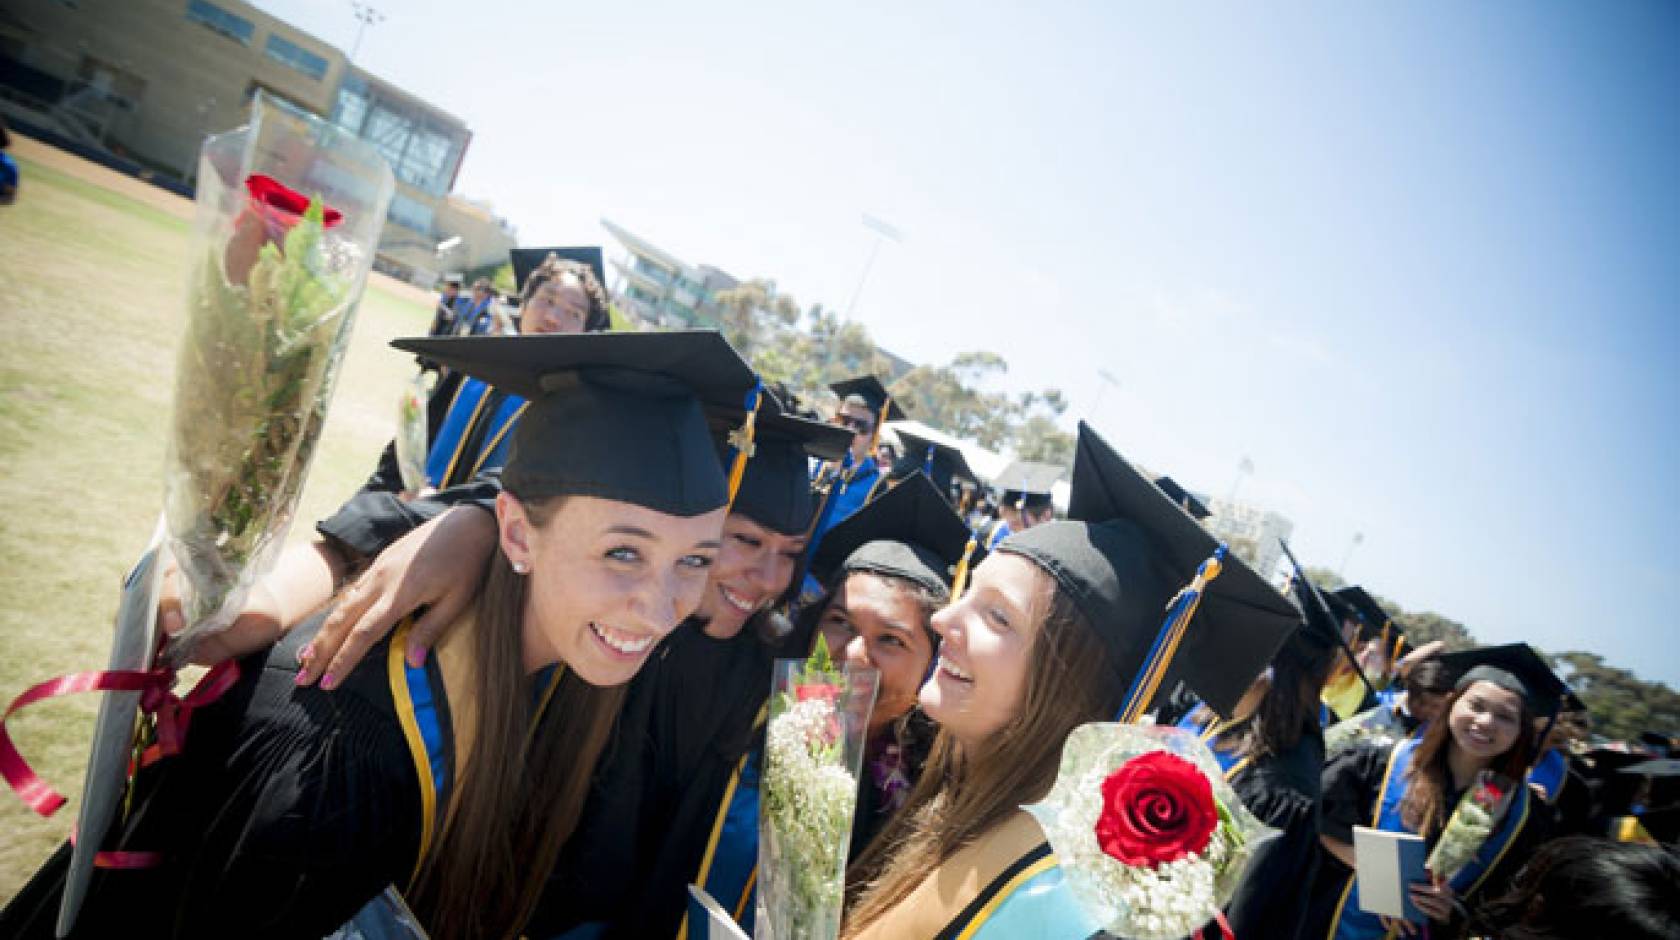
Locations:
{"points": [[290, 806], [1414, 786], [1051, 634]]}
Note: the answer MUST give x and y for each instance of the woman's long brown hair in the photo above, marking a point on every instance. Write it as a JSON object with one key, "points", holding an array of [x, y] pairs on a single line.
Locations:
{"points": [[1290, 706], [1070, 681], [1424, 808], [514, 805]]}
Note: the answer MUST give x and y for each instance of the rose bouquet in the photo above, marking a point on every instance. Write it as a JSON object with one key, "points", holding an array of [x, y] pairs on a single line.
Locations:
{"points": [[411, 435], [1151, 838], [1472, 821], [1377, 726], [289, 214], [813, 749]]}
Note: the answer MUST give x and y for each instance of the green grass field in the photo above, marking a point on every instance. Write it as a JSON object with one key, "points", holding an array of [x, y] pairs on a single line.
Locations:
{"points": [[92, 281]]}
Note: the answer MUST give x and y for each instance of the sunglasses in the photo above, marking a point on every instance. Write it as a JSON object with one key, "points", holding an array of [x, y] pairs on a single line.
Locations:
{"points": [[858, 425]]}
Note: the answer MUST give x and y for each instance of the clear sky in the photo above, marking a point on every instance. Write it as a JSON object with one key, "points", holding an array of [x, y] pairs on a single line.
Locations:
{"points": [[1419, 261]]}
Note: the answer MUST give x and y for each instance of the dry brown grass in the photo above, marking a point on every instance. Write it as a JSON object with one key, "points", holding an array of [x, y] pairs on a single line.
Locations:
{"points": [[92, 276]]}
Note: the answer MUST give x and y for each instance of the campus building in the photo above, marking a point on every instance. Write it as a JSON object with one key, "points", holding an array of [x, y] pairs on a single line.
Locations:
{"points": [[144, 81], [1252, 532], [660, 289]]}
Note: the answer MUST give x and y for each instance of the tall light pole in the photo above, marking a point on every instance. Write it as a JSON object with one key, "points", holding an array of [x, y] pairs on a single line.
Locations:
{"points": [[1353, 543], [1105, 379], [883, 231], [365, 16], [1244, 468]]}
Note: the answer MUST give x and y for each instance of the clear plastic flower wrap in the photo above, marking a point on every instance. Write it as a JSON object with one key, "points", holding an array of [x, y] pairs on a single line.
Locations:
{"points": [[1151, 839], [1473, 820], [812, 753], [1377, 726], [289, 210], [411, 435]]}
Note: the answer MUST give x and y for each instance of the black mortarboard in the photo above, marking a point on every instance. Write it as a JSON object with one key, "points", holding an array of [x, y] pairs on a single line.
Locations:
{"points": [[1370, 614], [911, 532], [941, 462], [1026, 485], [776, 484], [1657, 741], [1124, 554], [1515, 667], [611, 415], [525, 260], [869, 390], [1183, 497]]}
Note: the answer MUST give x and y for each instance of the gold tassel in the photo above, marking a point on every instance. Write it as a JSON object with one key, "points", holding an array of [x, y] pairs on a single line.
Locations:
{"points": [[1209, 570], [959, 581], [742, 440]]}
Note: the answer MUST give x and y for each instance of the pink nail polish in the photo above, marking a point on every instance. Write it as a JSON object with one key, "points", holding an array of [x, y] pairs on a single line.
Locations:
{"points": [[327, 681], [417, 656], [307, 653], [302, 677]]}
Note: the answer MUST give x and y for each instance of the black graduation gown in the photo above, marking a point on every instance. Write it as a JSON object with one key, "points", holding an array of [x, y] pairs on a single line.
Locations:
{"points": [[371, 520], [1283, 791], [688, 719], [285, 812]]}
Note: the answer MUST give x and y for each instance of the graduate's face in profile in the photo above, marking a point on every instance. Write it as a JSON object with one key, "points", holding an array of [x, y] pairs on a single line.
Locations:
{"points": [[1486, 720], [559, 306], [608, 580], [754, 566], [986, 649], [1425, 705], [877, 622]]}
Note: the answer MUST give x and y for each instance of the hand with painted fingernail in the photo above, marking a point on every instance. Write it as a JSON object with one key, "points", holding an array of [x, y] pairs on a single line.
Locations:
{"points": [[420, 570]]}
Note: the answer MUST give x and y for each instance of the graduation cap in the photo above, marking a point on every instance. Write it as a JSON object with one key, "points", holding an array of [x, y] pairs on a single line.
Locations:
{"points": [[1374, 622], [1185, 500], [1123, 556], [775, 489], [940, 463], [868, 391], [611, 415], [1026, 485], [526, 260], [911, 532], [1514, 667]]}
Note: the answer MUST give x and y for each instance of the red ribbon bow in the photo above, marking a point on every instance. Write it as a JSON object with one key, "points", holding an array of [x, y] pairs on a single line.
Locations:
{"points": [[173, 714]]}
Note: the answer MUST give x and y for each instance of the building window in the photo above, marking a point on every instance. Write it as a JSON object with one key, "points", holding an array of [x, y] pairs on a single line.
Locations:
{"points": [[231, 25], [411, 212], [351, 110], [294, 56], [425, 163]]}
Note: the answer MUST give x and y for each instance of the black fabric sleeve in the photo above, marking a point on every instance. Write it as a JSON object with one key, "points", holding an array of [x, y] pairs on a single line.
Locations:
{"points": [[1351, 779], [371, 520]]}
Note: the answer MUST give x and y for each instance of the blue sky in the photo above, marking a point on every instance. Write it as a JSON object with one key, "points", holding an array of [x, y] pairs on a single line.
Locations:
{"points": [[1418, 261]]}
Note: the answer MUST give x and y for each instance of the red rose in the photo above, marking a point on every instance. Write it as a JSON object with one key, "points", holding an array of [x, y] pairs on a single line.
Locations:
{"points": [[827, 693], [1156, 808], [271, 209], [273, 194]]}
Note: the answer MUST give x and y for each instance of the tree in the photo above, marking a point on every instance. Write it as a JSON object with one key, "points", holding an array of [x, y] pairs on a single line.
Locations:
{"points": [[1622, 705], [755, 318]]}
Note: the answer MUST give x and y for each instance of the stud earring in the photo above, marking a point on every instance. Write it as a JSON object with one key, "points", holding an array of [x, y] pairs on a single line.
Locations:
{"points": [[521, 567]]}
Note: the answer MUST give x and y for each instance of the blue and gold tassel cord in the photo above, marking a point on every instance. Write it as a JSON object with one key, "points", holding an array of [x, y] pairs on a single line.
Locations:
{"points": [[1161, 652], [959, 581], [742, 440]]}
